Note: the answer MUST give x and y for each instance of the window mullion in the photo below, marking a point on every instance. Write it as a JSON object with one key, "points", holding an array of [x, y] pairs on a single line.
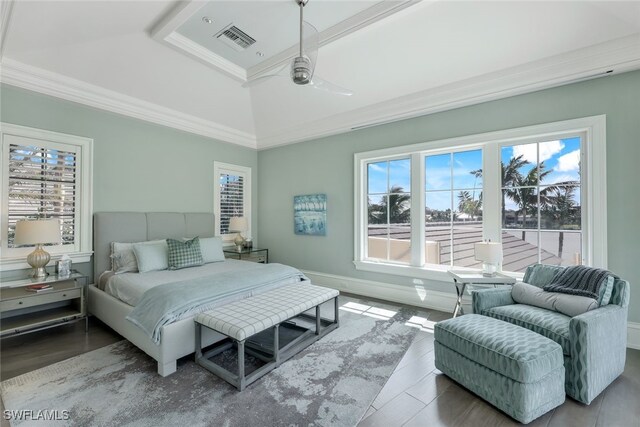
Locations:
{"points": [[418, 204]]}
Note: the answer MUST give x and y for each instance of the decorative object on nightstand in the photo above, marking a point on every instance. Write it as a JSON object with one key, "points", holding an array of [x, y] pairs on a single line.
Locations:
{"points": [[490, 253], [38, 232], [249, 254], [238, 224], [63, 266], [463, 278], [248, 244]]}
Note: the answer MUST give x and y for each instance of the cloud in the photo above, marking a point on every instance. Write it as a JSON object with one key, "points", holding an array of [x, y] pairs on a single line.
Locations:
{"points": [[547, 150], [377, 168], [569, 162]]}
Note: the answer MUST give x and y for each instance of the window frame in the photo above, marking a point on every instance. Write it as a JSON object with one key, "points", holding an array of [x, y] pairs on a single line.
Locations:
{"points": [[231, 169], [82, 249], [593, 193]]}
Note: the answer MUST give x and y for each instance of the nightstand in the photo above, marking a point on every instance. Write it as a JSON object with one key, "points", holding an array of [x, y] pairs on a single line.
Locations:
{"points": [[248, 254], [22, 311]]}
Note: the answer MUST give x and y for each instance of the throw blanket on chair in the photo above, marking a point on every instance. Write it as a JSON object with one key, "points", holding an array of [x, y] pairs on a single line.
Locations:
{"points": [[579, 280]]}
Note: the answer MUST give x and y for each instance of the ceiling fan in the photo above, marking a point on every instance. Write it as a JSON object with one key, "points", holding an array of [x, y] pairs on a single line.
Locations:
{"points": [[303, 66]]}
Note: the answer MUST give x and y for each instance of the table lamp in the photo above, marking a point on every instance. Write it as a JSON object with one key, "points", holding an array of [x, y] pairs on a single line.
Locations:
{"points": [[38, 232], [238, 224], [490, 253]]}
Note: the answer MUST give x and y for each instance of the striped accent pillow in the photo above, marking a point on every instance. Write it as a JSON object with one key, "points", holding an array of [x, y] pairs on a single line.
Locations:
{"points": [[184, 254]]}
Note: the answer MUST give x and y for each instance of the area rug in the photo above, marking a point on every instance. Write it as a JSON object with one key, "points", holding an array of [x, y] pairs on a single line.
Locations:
{"points": [[331, 383]]}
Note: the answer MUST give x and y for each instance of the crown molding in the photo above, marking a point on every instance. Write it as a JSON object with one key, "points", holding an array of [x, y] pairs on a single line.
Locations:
{"points": [[186, 45], [25, 76], [619, 55]]}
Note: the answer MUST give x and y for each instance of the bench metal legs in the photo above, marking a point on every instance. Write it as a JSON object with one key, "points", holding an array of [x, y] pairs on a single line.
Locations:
{"points": [[278, 356]]}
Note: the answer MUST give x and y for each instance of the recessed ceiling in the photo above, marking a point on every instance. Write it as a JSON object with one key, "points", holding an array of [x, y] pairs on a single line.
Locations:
{"points": [[274, 26], [415, 58]]}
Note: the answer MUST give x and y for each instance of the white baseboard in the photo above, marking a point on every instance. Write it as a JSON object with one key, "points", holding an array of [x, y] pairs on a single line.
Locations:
{"points": [[633, 335], [418, 296]]}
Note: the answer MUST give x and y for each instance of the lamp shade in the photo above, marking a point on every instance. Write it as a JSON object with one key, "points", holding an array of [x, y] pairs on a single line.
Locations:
{"points": [[39, 231], [489, 252], [238, 223]]}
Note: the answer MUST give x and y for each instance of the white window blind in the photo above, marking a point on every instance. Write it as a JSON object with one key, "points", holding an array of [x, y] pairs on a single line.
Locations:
{"points": [[42, 184], [232, 197]]}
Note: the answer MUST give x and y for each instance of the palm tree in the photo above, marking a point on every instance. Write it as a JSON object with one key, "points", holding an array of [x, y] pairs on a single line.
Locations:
{"points": [[468, 205], [560, 210], [396, 203]]}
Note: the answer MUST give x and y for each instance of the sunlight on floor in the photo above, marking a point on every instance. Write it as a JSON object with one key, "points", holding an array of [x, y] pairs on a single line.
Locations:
{"points": [[367, 310], [422, 323]]}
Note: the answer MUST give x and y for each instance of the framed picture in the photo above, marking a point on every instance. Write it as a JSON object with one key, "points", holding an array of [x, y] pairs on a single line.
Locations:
{"points": [[310, 214]]}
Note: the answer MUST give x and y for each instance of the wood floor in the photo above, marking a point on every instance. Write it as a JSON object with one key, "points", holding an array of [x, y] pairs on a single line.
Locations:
{"points": [[416, 394]]}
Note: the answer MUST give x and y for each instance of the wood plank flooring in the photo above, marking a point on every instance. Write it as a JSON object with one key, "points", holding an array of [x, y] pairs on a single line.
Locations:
{"points": [[417, 394]]}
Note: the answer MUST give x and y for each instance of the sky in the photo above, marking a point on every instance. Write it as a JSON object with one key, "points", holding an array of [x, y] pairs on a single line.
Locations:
{"points": [[562, 156]]}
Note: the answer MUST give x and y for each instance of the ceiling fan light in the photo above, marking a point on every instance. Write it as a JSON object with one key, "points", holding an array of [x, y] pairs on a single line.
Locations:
{"points": [[301, 70]]}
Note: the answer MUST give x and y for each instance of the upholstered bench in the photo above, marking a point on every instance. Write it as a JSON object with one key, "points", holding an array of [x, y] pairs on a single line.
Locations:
{"points": [[246, 323], [516, 370]]}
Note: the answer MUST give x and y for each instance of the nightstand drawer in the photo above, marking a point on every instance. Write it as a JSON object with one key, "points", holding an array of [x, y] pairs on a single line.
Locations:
{"points": [[256, 258], [39, 299]]}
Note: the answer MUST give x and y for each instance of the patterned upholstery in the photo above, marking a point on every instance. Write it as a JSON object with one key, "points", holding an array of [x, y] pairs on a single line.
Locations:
{"points": [[245, 318], [540, 274], [489, 298], [594, 343], [517, 370], [550, 324], [184, 254], [522, 401], [514, 352]]}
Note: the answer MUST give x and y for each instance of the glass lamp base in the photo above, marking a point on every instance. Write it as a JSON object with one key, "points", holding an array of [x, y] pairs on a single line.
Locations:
{"points": [[489, 270]]}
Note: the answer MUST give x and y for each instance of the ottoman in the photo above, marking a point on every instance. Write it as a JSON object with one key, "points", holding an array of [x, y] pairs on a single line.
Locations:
{"points": [[515, 369]]}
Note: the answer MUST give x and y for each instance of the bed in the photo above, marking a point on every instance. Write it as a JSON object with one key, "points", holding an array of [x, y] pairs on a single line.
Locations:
{"points": [[177, 338]]}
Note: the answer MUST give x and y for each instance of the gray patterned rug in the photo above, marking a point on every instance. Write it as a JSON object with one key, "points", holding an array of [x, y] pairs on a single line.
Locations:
{"points": [[331, 383]]}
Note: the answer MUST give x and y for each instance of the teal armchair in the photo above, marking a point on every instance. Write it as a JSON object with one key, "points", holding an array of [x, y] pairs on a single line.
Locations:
{"points": [[594, 343]]}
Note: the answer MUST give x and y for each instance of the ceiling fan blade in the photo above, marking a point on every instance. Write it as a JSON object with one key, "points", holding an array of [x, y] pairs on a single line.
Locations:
{"points": [[318, 83], [310, 40], [261, 79]]}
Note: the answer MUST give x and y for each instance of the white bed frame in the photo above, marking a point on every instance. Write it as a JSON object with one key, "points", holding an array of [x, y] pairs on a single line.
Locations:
{"points": [[178, 339]]}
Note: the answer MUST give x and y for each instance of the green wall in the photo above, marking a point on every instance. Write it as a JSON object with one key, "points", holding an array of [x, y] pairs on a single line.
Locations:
{"points": [[137, 166], [326, 166]]}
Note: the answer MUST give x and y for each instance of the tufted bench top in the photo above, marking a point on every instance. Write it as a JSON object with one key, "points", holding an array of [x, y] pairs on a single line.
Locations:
{"points": [[247, 317]]}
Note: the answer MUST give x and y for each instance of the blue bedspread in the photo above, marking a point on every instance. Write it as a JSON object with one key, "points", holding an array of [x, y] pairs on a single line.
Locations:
{"points": [[167, 303]]}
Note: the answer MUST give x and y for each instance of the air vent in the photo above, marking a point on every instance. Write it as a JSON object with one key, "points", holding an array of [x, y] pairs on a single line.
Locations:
{"points": [[235, 38]]}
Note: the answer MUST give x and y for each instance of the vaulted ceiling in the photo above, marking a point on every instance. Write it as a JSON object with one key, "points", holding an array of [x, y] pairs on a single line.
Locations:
{"points": [[157, 60]]}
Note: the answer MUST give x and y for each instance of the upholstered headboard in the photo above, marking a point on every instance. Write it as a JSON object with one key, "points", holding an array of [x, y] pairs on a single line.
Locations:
{"points": [[130, 227]]}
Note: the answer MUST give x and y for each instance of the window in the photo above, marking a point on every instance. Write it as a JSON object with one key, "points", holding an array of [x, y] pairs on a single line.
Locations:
{"points": [[453, 213], [389, 210], [539, 190], [232, 197], [45, 175], [541, 207]]}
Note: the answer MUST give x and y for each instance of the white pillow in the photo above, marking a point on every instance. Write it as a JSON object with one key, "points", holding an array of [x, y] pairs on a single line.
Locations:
{"points": [[211, 248], [570, 305], [152, 256], [123, 260]]}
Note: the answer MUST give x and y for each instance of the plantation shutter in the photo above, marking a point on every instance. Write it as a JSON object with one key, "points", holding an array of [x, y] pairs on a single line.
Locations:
{"points": [[231, 199], [42, 183]]}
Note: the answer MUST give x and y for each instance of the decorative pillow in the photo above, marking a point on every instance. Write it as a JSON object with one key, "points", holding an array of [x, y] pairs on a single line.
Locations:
{"points": [[570, 305], [211, 248], [123, 260], [604, 296], [541, 274], [152, 256], [184, 254]]}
